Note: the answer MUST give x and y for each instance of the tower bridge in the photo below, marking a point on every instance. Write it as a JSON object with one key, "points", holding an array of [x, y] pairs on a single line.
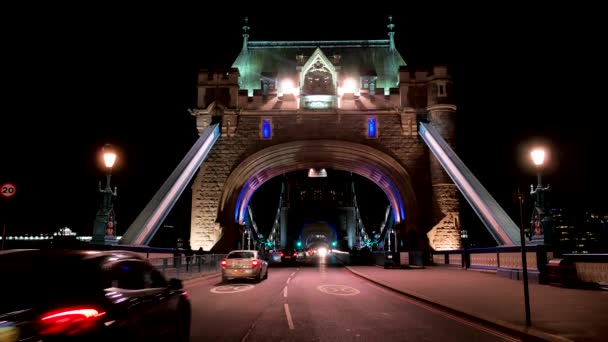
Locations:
{"points": [[352, 106]]}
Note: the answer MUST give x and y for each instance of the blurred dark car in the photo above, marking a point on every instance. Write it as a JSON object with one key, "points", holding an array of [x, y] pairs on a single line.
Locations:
{"points": [[288, 256], [69, 295]]}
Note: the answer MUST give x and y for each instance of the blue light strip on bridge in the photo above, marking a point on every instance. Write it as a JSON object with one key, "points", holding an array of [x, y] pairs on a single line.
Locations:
{"points": [[498, 223], [144, 227]]}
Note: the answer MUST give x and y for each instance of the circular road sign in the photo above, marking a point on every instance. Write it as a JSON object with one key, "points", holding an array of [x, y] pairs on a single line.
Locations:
{"points": [[8, 190]]}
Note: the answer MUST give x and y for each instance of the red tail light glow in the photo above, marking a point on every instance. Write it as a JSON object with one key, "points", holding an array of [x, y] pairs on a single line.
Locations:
{"points": [[295, 254], [281, 253], [69, 321], [224, 263], [254, 263]]}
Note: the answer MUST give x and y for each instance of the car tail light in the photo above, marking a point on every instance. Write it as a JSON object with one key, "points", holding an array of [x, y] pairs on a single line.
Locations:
{"points": [[224, 263], [69, 321], [295, 254], [281, 254], [254, 263]]}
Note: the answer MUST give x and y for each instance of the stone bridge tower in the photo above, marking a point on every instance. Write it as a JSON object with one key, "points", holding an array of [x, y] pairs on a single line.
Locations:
{"points": [[348, 105]]}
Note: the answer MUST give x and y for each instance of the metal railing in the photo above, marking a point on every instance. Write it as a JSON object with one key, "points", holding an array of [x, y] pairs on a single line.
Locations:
{"points": [[188, 267]]}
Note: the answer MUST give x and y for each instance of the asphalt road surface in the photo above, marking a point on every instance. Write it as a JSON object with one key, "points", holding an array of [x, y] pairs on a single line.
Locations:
{"points": [[321, 301]]}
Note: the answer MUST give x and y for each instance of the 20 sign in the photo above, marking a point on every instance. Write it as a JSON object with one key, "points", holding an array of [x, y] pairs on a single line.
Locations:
{"points": [[8, 190]]}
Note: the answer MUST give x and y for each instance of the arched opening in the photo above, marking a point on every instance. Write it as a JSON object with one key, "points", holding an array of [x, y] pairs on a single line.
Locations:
{"points": [[360, 159], [305, 210]]}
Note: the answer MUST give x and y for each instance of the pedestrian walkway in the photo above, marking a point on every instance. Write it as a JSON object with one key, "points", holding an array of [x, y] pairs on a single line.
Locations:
{"points": [[557, 314]]}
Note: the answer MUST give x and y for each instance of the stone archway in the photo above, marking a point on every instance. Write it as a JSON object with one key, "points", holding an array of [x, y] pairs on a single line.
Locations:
{"points": [[360, 159]]}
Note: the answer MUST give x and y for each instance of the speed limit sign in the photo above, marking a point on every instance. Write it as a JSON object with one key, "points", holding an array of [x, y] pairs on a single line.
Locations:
{"points": [[8, 190]]}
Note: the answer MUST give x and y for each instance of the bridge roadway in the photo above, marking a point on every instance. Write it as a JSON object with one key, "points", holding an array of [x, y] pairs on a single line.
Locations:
{"points": [[328, 302]]}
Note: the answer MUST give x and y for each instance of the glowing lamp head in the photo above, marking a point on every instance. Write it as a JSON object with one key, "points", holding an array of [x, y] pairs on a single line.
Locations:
{"points": [[109, 156], [287, 86], [349, 86], [538, 156]]}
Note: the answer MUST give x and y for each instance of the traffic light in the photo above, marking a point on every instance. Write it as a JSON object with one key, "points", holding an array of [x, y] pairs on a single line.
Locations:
{"points": [[334, 243], [299, 244]]}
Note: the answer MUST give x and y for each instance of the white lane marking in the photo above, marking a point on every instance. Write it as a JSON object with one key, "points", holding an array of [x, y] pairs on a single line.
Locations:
{"points": [[288, 314], [288, 279], [292, 274], [285, 292]]}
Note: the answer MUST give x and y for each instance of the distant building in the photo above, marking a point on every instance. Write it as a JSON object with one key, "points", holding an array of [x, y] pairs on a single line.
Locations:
{"points": [[580, 232], [63, 237]]}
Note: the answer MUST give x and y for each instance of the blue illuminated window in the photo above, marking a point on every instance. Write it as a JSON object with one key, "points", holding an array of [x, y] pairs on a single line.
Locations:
{"points": [[372, 128], [266, 129]]}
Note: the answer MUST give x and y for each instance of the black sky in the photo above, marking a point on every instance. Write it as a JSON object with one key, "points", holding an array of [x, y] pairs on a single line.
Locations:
{"points": [[75, 78]]}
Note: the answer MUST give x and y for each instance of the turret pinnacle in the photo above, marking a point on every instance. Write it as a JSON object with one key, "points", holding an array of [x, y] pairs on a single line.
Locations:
{"points": [[391, 34], [245, 34]]}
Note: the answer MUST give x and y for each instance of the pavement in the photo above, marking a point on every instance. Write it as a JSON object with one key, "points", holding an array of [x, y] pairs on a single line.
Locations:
{"points": [[557, 313]]}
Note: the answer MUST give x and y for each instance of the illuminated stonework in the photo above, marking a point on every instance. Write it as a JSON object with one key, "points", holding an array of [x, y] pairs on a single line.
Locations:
{"points": [[445, 236], [323, 123]]}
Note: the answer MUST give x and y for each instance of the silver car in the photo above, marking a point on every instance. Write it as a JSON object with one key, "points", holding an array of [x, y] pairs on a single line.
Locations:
{"points": [[244, 264]]}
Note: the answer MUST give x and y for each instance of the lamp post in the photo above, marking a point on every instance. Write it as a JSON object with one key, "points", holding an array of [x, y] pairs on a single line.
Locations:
{"points": [[464, 235], [524, 261], [104, 230]]}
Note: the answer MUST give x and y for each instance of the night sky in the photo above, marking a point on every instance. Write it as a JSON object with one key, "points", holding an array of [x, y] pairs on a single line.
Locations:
{"points": [[76, 78]]}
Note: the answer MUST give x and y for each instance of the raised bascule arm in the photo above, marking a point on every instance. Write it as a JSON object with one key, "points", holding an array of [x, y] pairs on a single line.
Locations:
{"points": [[498, 223], [142, 230]]}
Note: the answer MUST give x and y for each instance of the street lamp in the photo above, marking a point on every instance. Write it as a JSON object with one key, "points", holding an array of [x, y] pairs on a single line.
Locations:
{"points": [[104, 229], [538, 158], [541, 220], [109, 158]]}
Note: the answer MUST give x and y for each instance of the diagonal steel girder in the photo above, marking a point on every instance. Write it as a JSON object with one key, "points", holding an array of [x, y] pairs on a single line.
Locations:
{"points": [[142, 230], [496, 220]]}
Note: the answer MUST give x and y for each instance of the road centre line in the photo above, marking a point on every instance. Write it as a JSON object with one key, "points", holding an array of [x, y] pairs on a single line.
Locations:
{"points": [[285, 292], [288, 314]]}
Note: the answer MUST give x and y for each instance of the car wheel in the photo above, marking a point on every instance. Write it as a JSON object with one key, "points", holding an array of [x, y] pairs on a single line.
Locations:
{"points": [[266, 274]]}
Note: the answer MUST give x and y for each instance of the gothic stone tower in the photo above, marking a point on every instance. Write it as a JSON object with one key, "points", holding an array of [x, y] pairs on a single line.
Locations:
{"points": [[346, 105]]}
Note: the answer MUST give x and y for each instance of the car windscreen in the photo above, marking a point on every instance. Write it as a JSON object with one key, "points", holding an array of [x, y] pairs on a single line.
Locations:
{"points": [[30, 279], [241, 255]]}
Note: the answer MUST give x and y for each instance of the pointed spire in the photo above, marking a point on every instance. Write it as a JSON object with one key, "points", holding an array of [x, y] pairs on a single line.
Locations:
{"points": [[245, 34], [391, 34]]}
